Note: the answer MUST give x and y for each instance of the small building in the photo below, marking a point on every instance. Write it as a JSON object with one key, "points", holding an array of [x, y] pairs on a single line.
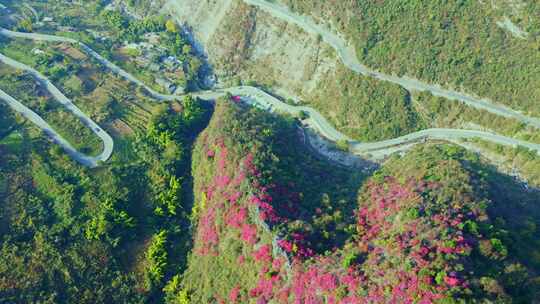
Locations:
{"points": [[171, 62], [37, 51], [67, 29], [152, 38], [48, 19], [99, 35], [166, 84], [132, 46], [210, 80], [154, 67], [110, 7]]}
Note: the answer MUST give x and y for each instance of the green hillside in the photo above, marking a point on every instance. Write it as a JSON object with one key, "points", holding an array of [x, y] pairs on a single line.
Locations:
{"points": [[213, 195], [116, 233], [452, 43], [435, 225]]}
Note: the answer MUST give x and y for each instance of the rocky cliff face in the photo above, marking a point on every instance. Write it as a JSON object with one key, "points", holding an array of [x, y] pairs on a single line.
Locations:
{"points": [[245, 42]]}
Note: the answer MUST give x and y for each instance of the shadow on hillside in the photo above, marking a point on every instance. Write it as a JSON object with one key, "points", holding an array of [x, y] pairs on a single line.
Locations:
{"points": [[516, 208], [181, 242], [314, 196], [207, 78]]}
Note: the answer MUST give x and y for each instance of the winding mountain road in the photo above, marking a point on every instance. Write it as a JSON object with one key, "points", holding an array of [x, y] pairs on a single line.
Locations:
{"points": [[316, 121], [347, 54], [261, 99], [114, 68], [49, 131], [108, 143]]}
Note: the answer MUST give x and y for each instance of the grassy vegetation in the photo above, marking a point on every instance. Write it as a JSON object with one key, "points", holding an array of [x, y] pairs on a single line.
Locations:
{"points": [[452, 182], [107, 31], [361, 107], [263, 219], [444, 42], [519, 160], [124, 225], [25, 89], [109, 100], [246, 156], [441, 112], [437, 216], [11, 137], [366, 109]]}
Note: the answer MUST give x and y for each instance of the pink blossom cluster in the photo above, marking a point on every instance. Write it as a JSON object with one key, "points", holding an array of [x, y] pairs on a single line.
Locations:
{"points": [[207, 231], [227, 210], [249, 234], [314, 284], [398, 249], [417, 244]]}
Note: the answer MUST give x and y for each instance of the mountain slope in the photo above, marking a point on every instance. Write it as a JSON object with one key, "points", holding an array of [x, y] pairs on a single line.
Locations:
{"points": [[426, 226], [254, 178], [248, 45]]}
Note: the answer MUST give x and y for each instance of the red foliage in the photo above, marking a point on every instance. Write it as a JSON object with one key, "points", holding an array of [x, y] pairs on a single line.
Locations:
{"points": [[263, 254], [394, 251], [241, 259], [233, 295], [207, 231], [451, 281], [264, 290], [307, 286], [286, 245], [267, 212], [277, 264], [222, 181], [222, 159], [249, 234], [237, 217]]}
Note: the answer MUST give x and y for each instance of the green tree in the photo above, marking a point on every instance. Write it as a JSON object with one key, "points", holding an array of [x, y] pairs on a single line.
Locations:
{"points": [[171, 26], [186, 49], [25, 25], [192, 112], [157, 259], [174, 294], [169, 200], [343, 145], [302, 115]]}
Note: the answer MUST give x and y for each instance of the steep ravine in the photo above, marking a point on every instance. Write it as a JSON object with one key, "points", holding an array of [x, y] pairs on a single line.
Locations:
{"points": [[272, 50], [245, 43]]}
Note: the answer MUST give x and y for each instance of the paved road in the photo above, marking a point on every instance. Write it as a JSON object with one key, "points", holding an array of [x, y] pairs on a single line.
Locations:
{"points": [[261, 99], [114, 68], [265, 101], [346, 53], [35, 36], [61, 98], [348, 56], [48, 130], [316, 121], [453, 135]]}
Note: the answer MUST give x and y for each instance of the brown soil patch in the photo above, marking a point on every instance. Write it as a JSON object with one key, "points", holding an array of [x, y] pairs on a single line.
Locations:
{"points": [[121, 128], [176, 107], [72, 52]]}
